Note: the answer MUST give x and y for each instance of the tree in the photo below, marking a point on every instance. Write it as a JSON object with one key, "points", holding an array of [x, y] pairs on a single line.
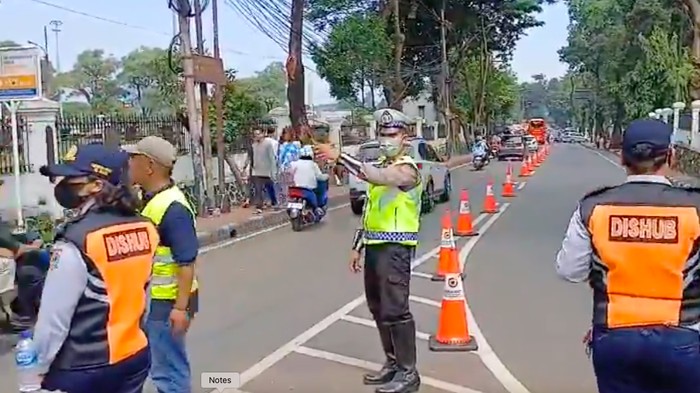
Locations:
{"points": [[141, 73], [268, 85], [93, 77], [355, 58]]}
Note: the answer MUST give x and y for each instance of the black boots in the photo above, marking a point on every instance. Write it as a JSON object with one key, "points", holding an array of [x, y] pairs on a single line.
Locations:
{"points": [[390, 368], [405, 378]]}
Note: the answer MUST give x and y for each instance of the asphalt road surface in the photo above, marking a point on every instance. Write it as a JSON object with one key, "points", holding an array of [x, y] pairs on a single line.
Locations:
{"points": [[282, 308]]}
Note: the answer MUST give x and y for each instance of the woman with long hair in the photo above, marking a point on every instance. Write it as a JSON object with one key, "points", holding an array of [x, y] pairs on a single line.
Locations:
{"points": [[289, 151]]}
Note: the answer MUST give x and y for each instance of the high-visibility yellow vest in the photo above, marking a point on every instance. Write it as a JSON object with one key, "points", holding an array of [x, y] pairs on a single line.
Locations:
{"points": [[392, 215], [164, 277]]}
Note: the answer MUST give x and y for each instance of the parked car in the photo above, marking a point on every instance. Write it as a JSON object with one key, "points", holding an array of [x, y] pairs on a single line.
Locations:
{"points": [[435, 175], [574, 137], [531, 142], [512, 147]]}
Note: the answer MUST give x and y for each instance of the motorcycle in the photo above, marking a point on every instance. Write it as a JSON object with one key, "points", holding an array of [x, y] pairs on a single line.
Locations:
{"points": [[301, 213], [478, 162]]}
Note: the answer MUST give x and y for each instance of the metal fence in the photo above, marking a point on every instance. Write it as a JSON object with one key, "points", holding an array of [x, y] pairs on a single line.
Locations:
{"points": [[118, 130], [6, 154]]}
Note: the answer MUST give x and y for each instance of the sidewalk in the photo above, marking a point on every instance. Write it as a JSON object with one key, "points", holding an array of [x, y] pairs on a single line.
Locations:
{"points": [[241, 221]]}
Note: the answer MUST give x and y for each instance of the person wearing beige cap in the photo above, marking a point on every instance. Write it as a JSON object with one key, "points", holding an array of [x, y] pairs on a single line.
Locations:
{"points": [[174, 298]]}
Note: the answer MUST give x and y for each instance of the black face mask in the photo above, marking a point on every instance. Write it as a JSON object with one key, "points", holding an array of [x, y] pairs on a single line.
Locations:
{"points": [[67, 196]]}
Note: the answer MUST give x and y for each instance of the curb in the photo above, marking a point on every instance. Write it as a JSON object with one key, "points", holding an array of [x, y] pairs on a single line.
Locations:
{"points": [[234, 230], [675, 181]]}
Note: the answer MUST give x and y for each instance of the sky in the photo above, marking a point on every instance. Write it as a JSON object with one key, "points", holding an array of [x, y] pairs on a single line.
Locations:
{"points": [[244, 48]]}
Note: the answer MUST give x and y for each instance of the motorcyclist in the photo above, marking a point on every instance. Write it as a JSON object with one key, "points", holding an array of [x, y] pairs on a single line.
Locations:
{"points": [[480, 148], [309, 178]]}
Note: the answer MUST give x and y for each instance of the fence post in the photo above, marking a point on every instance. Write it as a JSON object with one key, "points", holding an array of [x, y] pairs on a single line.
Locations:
{"points": [[677, 108], [695, 125], [419, 127]]}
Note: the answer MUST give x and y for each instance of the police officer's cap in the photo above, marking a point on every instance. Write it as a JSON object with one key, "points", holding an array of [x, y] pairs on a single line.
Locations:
{"points": [[390, 121], [95, 160], [646, 138]]}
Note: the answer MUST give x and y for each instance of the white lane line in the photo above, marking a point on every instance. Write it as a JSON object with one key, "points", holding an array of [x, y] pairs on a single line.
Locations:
{"points": [[485, 351], [270, 360], [521, 185], [359, 363], [425, 300], [370, 323], [606, 158], [422, 275]]}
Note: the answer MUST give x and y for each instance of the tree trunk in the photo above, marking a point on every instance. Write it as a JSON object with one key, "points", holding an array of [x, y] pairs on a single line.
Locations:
{"points": [[398, 86], [295, 86]]}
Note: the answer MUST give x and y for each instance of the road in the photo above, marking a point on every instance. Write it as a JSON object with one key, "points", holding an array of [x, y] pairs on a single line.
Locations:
{"points": [[283, 309]]}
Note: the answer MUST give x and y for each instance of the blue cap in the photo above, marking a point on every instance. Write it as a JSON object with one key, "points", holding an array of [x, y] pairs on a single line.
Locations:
{"points": [[90, 160], [652, 132]]}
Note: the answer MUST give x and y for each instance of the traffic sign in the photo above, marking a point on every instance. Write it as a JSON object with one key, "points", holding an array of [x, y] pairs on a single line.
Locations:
{"points": [[20, 74]]}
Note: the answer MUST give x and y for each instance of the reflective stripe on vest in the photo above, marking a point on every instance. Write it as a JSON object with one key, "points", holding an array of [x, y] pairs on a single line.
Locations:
{"points": [[164, 276], [392, 215]]}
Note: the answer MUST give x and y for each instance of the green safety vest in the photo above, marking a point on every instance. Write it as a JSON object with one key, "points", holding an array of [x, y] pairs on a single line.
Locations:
{"points": [[164, 276], [392, 215]]}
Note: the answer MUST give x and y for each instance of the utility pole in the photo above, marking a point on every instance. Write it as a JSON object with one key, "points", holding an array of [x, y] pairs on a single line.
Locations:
{"points": [[204, 102], [219, 99], [57, 29], [446, 91], [190, 99]]}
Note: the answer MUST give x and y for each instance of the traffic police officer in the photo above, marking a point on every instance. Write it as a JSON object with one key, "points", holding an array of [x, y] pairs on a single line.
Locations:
{"points": [[389, 236], [88, 334], [174, 286], [637, 245]]}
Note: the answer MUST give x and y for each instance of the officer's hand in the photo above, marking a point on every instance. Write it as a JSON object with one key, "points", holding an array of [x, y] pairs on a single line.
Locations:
{"points": [[326, 151], [355, 261], [179, 321]]}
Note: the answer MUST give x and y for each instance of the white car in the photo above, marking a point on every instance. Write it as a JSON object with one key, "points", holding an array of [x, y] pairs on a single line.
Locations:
{"points": [[436, 180], [531, 142]]}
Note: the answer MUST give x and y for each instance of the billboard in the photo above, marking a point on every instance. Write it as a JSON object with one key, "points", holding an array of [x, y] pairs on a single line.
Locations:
{"points": [[20, 73]]}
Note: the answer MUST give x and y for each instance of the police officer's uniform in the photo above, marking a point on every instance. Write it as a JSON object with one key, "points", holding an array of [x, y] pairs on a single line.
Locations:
{"points": [[389, 236], [97, 287], [637, 245]]}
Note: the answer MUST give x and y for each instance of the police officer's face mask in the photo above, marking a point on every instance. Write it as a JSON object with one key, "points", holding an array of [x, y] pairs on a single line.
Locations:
{"points": [[391, 145]]}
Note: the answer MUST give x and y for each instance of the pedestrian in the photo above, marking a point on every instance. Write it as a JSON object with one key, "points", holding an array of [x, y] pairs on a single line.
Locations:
{"points": [[637, 245], [174, 288], [88, 334], [288, 152], [264, 169], [388, 237], [272, 188]]}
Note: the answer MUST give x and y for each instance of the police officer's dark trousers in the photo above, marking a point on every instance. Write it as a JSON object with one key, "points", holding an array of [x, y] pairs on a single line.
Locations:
{"points": [[387, 277], [655, 359]]}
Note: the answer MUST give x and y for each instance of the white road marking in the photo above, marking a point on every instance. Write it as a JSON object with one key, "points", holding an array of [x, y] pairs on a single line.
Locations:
{"points": [[521, 185], [422, 275], [488, 356], [270, 360], [606, 158], [370, 323], [359, 363]]}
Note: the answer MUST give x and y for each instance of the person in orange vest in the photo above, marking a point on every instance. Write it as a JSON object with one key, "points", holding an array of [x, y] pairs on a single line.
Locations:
{"points": [[88, 334], [637, 245]]}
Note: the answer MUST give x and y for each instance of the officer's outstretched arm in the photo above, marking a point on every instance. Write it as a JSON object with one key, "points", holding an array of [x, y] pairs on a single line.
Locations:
{"points": [[65, 283], [403, 176], [574, 258]]}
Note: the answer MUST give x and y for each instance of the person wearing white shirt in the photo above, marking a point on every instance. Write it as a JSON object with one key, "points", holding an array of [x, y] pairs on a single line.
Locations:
{"points": [[307, 174]]}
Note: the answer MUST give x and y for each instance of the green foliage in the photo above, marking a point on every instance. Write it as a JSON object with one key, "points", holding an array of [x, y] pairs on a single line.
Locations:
{"points": [[242, 110], [268, 85]]}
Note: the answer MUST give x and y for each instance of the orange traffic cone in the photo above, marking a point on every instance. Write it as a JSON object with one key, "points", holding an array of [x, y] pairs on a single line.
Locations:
{"points": [[465, 226], [490, 206], [536, 159], [453, 330], [448, 258], [524, 169], [508, 186], [530, 165]]}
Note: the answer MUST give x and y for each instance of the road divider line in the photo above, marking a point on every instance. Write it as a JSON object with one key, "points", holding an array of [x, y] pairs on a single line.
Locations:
{"points": [[364, 364], [485, 351], [521, 185], [370, 323], [422, 275], [606, 158], [273, 358]]}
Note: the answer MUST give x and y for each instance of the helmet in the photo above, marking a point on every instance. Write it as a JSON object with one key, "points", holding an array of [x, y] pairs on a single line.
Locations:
{"points": [[307, 151]]}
